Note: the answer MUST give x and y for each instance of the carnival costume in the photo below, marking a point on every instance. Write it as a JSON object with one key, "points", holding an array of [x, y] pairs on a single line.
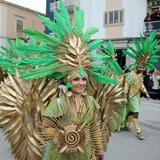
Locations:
{"points": [[114, 68], [144, 56], [31, 90]]}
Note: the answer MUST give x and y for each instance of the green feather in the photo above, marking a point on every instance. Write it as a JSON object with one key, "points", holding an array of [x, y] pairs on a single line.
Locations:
{"points": [[61, 24], [105, 49], [154, 57], [38, 72], [65, 15], [90, 31], [110, 47], [142, 42], [32, 41], [95, 44], [153, 45], [136, 43], [152, 35], [34, 49], [19, 42], [104, 79], [80, 69], [97, 68], [150, 66], [129, 54], [147, 45], [68, 84], [6, 49], [156, 50], [9, 42], [133, 50], [115, 67], [96, 57], [79, 21], [52, 26], [42, 37], [153, 61], [38, 61]]}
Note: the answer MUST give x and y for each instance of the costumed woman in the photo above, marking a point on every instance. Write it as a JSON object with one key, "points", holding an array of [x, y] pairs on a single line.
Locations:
{"points": [[72, 105], [144, 56], [73, 126], [70, 122]]}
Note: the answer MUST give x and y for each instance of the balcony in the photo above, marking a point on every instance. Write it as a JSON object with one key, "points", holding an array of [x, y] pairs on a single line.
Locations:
{"points": [[149, 26], [68, 3]]}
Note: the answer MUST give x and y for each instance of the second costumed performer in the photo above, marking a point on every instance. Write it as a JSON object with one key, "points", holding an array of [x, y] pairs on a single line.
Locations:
{"points": [[144, 56]]}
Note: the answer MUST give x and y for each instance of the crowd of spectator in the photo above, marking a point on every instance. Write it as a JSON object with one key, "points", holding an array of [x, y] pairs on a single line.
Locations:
{"points": [[152, 21], [152, 83]]}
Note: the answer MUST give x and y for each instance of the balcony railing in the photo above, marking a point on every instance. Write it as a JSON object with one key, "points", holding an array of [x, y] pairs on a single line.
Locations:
{"points": [[152, 25], [68, 3]]}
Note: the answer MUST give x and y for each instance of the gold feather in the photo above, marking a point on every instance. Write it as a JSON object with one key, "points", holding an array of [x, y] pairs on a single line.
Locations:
{"points": [[21, 117], [109, 98]]}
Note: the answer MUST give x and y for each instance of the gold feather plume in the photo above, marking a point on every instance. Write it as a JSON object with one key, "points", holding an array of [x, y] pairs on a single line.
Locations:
{"points": [[110, 98], [22, 103]]}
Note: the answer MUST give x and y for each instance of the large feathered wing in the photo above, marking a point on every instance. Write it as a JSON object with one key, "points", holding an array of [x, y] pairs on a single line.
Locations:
{"points": [[110, 98], [22, 103]]}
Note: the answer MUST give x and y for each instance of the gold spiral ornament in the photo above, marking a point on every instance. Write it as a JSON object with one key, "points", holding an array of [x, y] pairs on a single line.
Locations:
{"points": [[72, 138]]}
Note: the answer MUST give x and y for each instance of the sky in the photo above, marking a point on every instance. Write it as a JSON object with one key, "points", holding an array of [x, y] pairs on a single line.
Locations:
{"points": [[37, 5]]}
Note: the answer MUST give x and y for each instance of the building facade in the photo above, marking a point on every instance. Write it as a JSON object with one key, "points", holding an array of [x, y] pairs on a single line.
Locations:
{"points": [[14, 18], [117, 20]]}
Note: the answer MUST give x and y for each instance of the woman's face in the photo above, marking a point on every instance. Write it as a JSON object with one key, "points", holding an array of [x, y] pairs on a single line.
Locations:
{"points": [[79, 83]]}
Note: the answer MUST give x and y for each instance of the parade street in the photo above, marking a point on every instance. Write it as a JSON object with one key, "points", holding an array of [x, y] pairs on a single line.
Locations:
{"points": [[124, 145]]}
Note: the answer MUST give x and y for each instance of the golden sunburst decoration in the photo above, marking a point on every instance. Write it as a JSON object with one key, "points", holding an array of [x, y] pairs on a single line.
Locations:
{"points": [[22, 104], [77, 52], [70, 137]]}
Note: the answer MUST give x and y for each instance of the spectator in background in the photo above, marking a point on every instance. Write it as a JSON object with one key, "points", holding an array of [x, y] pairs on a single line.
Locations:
{"points": [[158, 20], [159, 92], [153, 19], [155, 77], [147, 21]]}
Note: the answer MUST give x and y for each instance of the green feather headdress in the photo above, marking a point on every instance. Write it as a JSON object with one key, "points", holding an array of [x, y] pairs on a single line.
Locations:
{"points": [[69, 51], [144, 52], [108, 49]]}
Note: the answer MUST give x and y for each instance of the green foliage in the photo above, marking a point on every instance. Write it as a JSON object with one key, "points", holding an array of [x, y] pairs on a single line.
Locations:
{"points": [[95, 44], [90, 31], [79, 21], [42, 37], [52, 26]]}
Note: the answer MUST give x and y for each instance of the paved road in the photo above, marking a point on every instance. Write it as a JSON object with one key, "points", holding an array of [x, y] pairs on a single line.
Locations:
{"points": [[124, 145]]}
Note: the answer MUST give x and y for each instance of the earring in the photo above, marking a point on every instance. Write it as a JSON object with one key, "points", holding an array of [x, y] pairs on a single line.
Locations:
{"points": [[84, 93], [69, 93]]}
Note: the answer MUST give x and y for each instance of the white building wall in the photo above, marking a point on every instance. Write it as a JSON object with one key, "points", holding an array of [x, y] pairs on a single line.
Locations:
{"points": [[3, 25], [94, 16], [135, 12]]}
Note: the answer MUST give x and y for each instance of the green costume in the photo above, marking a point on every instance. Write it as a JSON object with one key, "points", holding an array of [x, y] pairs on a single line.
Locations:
{"points": [[132, 87], [144, 57], [57, 104]]}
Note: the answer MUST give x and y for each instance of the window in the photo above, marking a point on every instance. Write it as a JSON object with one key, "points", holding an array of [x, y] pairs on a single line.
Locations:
{"points": [[114, 17], [19, 27]]}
